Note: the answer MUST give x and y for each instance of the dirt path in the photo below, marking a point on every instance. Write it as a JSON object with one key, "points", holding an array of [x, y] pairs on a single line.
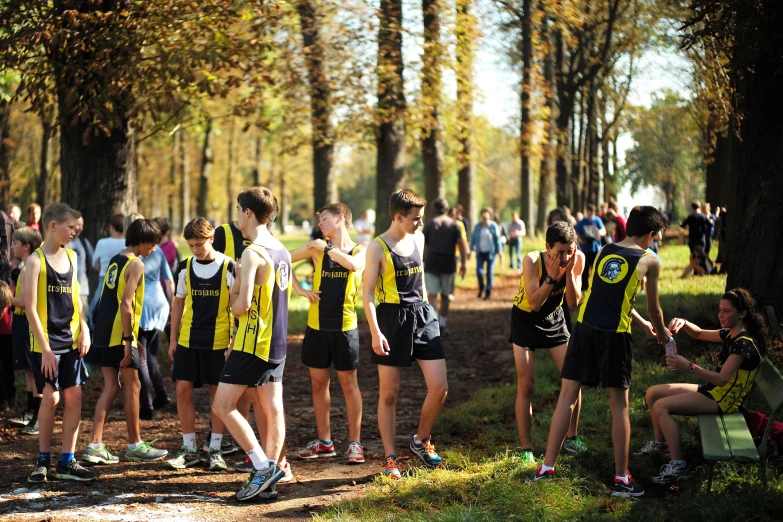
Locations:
{"points": [[477, 354]]}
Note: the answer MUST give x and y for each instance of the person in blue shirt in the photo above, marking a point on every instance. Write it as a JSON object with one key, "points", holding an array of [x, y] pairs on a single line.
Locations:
{"points": [[589, 232], [485, 240]]}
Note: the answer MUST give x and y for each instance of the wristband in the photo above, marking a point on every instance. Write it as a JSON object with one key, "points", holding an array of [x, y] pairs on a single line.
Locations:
{"points": [[235, 331], [328, 248], [691, 368]]}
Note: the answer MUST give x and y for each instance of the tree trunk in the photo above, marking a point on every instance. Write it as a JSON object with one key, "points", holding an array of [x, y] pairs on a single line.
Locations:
{"points": [[207, 159], [608, 177], [187, 204], [465, 51], [566, 109], [391, 110], [324, 183], [42, 185], [5, 153], [593, 172], [431, 143], [232, 138], [580, 173], [526, 120], [717, 171], [548, 171], [259, 142], [173, 175]]}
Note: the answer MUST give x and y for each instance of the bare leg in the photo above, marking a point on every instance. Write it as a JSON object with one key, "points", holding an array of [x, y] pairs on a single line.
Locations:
{"points": [[322, 401], [30, 383], [353, 403], [271, 401], [224, 407], [433, 300], [46, 418], [437, 389], [660, 391], [558, 355], [523, 407], [561, 419], [72, 416], [444, 305], [111, 386], [217, 424], [132, 386], [683, 404], [389, 388], [185, 409], [621, 429]]}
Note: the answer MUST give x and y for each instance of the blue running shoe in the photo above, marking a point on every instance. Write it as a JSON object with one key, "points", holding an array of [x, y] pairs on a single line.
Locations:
{"points": [[259, 481], [425, 450]]}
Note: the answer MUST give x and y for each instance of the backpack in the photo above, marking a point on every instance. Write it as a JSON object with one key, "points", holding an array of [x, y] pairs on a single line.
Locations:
{"points": [[7, 227], [757, 423]]}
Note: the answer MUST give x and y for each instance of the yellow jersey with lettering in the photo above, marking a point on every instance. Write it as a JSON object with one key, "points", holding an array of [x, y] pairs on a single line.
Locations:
{"points": [[730, 396], [336, 310], [58, 305], [206, 318], [108, 315], [402, 281]]}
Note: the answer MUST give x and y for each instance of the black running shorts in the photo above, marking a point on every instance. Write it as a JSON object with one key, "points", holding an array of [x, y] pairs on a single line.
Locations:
{"points": [[111, 356], [198, 366], [322, 349], [597, 357], [545, 332], [20, 343], [412, 332], [248, 370], [70, 371]]}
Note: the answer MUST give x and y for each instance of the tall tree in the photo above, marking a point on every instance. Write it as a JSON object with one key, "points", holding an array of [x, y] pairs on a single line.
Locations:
{"points": [[232, 139], [431, 142], [173, 170], [549, 150], [205, 173], [42, 184], [390, 132], [466, 35], [186, 211], [526, 123], [5, 152]]}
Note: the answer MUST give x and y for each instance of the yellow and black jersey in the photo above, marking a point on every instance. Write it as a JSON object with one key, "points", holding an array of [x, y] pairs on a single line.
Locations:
{"points": [[206, 318], [402, 280], [613, 285], [229, 241], [107, 316], [58, 305], [553, 302], [336, 310], [729, 396], [18, 293], [263, 329]]}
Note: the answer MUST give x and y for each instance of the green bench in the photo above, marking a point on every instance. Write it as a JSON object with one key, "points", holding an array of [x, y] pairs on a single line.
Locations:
{"points": [[726, 437]]}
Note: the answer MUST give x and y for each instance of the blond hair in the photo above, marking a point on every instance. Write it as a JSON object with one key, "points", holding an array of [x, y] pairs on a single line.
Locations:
{"points": [[198, 228]]}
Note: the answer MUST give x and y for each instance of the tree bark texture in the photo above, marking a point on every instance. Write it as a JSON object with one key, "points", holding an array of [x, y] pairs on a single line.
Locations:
{"points": [[548, 171], [465, 52], [5, 153], [232, 139], [205, 173], [526, 120], [564, 126], [431, 142], [42, 184], [173, 169], [187, 204], [391, 110], [324, 182]]}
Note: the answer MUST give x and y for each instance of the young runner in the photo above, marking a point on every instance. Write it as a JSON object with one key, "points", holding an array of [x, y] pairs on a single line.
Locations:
{"points": [[538, 322], [117, 350], [600, 350], [743, 334], [59, 338], [404, 326], [332, 335], [257, 358], [201, 325], [25, 241]]}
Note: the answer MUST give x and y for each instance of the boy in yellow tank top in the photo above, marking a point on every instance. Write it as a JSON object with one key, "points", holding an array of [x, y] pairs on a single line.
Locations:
{"points": [[59, 338], [332, 335], [404, 326], [25, 241]]}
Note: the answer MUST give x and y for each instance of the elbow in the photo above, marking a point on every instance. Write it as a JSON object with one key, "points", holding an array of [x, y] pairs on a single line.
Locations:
{"points": [[535, 307]]}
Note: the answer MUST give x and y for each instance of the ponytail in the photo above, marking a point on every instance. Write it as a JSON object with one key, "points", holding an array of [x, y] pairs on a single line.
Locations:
{"points": [[754, 321]]}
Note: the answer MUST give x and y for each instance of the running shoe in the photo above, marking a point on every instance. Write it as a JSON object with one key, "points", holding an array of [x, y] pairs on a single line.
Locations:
{"points": [[654, 448], [316, 448], [244, 466], [186, 458], [74, 471], [287, 475], [30, 429], [99, 455], [670, 473], [632, 489], [355, 453], [215, 460], [392, 467], [144, 453], [541, 475], [39, 473], [227, 445], [23, 419], [259, 481], [575, 446], [526, 456], [425, 450]]}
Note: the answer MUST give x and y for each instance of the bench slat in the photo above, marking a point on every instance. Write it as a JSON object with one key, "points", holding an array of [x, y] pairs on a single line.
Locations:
{"points": [[713, 438], [742, 447], [770, 383]]}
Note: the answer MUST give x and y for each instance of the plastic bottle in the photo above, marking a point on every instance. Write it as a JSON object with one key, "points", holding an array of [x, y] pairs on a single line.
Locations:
{"points": [[671, 348]]}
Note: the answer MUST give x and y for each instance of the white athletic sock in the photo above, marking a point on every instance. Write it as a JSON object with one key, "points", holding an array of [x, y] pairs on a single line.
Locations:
{"points": [[258, 458], [545, 468], [215, 440], [135, 444], [625, 479], [95, 445], [189, 440]]}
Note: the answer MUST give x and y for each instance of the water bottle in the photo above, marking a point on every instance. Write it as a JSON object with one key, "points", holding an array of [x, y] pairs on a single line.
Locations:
{"points": [[671, 347]]}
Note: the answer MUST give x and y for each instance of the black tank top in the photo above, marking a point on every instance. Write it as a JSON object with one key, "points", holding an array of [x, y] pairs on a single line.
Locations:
{"points": [[401, 283]]}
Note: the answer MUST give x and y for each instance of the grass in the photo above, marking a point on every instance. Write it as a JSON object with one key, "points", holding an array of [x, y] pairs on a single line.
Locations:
{"points": [[484, 479]]}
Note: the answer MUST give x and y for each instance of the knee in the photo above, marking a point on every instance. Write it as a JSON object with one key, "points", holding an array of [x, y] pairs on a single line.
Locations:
{"points": [[73, 395], [50, 399], [650, 397], [111, 388], [221, 407], [389, 396], [525, 386], [320, 384], [348, 382], [184, 391]]}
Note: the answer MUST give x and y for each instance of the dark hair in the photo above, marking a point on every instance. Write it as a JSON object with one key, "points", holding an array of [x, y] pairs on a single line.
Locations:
{"points": [[115, 222], [695, 204], [610, 215], [198, 228], [556, 215], [58, 212], [403, 200], [644, 220], [260, 201], [560, 232], [488, 210], [336, 209], [143, 231], [613, 205], [591, 207], [754, 322], [164, 225], [440, 206], [28, 236]]}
